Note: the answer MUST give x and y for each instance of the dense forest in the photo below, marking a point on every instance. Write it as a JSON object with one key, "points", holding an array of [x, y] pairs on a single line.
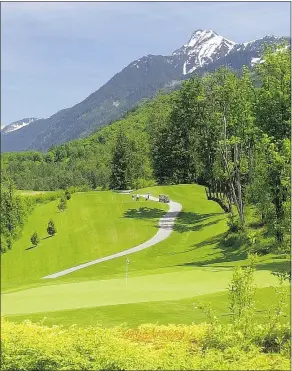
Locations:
{"points": [[228, 132]]}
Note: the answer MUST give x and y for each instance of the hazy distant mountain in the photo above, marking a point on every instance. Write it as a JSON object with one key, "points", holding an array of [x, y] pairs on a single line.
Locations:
{"points": [[204, 52]]}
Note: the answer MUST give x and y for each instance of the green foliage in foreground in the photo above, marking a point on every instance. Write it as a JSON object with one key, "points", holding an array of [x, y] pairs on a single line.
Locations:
{"points": [[30, 346]]}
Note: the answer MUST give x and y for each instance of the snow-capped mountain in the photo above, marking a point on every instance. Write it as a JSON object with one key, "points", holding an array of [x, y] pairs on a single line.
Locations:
{"points": [[202, 48], [17, 125], [143, 78]]}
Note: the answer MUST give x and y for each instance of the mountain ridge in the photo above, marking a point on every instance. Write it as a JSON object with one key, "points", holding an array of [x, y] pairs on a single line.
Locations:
{"points": [[16, 125], [141, 79]]}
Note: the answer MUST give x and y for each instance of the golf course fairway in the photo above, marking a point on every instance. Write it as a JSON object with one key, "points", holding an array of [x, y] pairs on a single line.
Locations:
{"points": [[190, 263]]}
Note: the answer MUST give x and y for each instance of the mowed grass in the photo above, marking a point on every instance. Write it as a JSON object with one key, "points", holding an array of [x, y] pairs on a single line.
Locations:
{"points": [[191, 263], [95, 224], [182, 311], [195, 242]]}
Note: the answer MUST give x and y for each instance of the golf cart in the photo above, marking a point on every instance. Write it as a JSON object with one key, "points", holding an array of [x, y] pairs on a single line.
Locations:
{"points": [[164, 198]]}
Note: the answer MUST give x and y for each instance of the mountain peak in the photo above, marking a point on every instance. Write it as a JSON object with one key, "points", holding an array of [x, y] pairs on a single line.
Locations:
{"points": [[201, 36], [203, 32], [203, 47]]}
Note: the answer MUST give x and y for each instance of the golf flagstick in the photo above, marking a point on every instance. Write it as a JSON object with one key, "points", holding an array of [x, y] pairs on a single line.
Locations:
{"points": [[127, 263]]}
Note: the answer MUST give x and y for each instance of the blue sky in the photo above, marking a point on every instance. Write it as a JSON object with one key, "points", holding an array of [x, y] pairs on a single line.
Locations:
{"points": [[53, 55]]}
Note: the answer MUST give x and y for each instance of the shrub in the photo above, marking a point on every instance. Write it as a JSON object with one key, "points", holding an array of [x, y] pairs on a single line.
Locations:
{"points": [[51, 229], [29, 346], [244, 334], [62, 204], [235, 240], [3, 244], [241, 294], [262, 247], [233, 223], [35, 239], [67, 194]]}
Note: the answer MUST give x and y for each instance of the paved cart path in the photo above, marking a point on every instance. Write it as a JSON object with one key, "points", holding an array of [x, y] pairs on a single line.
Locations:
{"points": [[165, 228]]}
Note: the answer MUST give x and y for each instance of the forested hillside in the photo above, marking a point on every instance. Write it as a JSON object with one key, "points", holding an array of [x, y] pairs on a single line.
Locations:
{"points": [[86, 162], [228, 132]]}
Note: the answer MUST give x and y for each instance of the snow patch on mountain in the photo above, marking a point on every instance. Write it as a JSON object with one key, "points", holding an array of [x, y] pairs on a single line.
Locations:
{"points": [[204, 47], [185, 68], [17, 125], [192, 69], [208, 42]]}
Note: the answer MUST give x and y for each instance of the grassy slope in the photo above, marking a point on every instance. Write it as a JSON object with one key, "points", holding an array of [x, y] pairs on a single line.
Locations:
{"points": [[192, 261], [94, 225], [198, 229], [195, 243]]}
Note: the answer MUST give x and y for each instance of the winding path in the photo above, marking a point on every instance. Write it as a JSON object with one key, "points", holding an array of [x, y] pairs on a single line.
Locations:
{"points": [[165, 228]]}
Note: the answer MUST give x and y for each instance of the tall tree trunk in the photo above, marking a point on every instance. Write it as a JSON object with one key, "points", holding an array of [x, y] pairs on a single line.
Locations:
{"points": [[224, 153], [279, 214], [238, 183], [227, 194], [249, 155]]}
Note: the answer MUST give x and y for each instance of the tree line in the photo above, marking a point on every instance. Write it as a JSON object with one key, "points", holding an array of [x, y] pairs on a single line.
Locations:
{"points": [[231, 135], [15, 208]]}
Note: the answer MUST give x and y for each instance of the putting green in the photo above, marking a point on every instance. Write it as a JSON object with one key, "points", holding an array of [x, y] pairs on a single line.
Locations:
{"points": [[182, 311], [157, 287]]}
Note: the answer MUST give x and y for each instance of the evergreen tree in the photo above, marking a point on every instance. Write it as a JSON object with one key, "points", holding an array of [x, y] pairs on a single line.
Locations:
{"points": [[67, 194], [35, 239], [62, 204], [121, 177], [12, 213], [162, 156], [51, 229], [182, 137]]}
